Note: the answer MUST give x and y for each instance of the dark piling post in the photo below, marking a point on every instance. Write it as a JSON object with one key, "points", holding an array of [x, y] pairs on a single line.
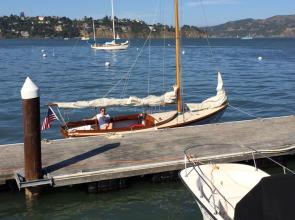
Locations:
{"points": [[32, 134]]}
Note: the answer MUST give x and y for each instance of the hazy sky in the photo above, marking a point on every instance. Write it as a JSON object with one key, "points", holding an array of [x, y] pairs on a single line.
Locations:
{"points": [[193, 12]]}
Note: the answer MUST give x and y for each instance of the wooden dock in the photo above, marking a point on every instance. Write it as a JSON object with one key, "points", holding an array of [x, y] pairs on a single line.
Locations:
{"points": [[83, 160]]}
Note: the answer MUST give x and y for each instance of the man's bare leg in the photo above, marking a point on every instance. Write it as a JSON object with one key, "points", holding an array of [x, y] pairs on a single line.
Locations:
{"points": [[110, 126]]}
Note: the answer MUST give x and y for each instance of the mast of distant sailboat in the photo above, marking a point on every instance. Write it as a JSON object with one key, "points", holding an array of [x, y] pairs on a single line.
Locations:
{"points": [[94, 37], [177, 47], [113, 18]]}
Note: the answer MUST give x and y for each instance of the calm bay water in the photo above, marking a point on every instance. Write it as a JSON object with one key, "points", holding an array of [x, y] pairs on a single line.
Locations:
{"points": [[72, 71]]}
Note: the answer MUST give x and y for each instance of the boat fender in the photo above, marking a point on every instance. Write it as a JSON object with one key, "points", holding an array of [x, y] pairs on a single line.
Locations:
{"points": [[200, 187], [215, 167]]}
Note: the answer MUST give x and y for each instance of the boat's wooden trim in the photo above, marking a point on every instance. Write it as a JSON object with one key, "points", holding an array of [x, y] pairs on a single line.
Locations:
{"points": [[170, 120], [101, 132], [149, 122]]}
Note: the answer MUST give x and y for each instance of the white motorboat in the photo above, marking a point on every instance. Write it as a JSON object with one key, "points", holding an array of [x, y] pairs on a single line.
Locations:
{"points": [[231, 191]]}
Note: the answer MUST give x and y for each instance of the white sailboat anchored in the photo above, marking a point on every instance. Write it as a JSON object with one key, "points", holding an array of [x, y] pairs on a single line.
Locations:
{"points": [[248, 37], [113, 45], [210, 110]]}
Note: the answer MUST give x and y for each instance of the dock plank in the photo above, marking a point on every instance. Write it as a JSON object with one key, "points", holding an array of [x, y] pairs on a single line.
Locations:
{"points": [[80, 160]]}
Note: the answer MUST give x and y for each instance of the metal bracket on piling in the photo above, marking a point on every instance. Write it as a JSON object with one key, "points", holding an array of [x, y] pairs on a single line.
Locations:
{"points": [[22, 183]]}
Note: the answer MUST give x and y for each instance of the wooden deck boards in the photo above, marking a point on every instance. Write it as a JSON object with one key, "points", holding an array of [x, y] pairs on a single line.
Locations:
{"points": [[79, 160]]}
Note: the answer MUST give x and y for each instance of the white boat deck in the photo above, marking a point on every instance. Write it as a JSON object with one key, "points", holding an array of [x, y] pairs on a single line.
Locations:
{"points": [[190, 116], [163, 116], [229, 182]]}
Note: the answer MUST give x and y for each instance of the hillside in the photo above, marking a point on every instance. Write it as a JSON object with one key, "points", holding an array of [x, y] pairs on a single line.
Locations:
{"points": [[14, 26], [276, 26]]}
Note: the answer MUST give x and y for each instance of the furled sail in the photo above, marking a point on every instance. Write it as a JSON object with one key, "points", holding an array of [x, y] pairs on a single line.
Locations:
{"points": [[151, 100], [212, 102]]}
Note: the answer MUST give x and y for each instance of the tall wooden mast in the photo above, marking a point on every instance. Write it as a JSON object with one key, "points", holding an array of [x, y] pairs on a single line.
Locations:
{"points": [[177, 47]]}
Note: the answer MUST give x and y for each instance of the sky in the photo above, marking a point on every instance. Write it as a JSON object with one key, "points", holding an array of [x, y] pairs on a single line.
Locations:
{"points": [[192, 12]]}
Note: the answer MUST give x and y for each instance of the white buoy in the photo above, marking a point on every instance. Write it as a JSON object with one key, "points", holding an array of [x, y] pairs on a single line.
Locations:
{"points": [[183, 52], [107, 64], [42, 51], [44, 55], [259, 58]]}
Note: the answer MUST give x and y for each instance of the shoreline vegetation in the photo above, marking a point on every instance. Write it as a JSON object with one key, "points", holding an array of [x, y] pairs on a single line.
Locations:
{"points": [[54, 27]]}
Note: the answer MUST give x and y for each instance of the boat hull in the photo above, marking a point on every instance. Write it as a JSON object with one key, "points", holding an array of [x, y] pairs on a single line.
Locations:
{"points": [[122, 46], [212, 119], [218, 187], [206, 215], [196, 118], [130, 124]]}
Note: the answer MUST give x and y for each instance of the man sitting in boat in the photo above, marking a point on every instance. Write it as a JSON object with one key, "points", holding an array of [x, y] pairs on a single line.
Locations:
{"points": [[104, 120]]}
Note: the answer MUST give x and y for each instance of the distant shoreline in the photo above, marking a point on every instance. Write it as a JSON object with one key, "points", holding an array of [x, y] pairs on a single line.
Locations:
{"points": [[140, 38], [54, 27]]}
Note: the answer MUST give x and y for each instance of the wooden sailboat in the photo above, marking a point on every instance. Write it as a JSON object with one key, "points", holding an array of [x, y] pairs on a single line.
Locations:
{"points": [[196, 113], [113, 45]]}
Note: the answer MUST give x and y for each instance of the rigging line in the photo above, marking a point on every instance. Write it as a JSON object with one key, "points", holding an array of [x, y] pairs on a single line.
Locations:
{"points": [[217, 65], [75, 45], [164, 45], [128, 72], [149, 71], [62, 119], [149, 35], [246, 113], [163, 53]]}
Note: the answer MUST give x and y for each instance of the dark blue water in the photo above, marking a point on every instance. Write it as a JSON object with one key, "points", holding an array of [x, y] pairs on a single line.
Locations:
{"points": [[262, 88], [72, 71]]}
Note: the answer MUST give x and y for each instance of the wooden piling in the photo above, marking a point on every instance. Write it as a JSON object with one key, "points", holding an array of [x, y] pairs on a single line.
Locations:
{"points": [[32, 134]]}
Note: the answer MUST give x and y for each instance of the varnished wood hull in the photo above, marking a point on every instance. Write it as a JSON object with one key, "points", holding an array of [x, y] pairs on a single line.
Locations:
{"points": [[171, 120]]}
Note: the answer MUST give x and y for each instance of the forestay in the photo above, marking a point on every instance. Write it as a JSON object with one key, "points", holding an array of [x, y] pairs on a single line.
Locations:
{"points": [[151, 100], [212, 102]]}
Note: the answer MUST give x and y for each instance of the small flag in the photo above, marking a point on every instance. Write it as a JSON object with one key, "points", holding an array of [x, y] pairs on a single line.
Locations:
{"points": [[51, 116]]}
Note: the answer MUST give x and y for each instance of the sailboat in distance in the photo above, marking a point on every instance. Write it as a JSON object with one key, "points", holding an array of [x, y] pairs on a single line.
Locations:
{"points": [[210, 110], [248, 37], [113, 45]]}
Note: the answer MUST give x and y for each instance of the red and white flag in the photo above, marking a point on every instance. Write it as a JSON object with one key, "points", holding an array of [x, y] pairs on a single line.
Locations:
{"points": [[51, 116]]}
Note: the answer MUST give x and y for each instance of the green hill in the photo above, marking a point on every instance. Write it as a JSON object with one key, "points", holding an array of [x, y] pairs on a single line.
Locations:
{"points": [[14, 26], [276, 26]]}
